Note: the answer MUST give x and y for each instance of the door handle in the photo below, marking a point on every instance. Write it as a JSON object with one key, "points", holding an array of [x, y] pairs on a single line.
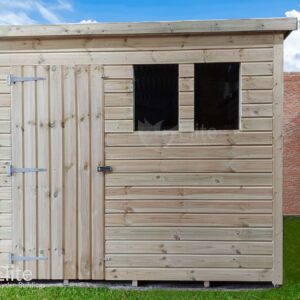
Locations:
{"points": [[104, 169]]}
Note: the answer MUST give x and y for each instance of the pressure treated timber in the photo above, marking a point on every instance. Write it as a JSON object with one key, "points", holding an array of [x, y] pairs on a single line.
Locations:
{"points": [[118, 113], [61, 116], [189, 152], [5, 140], [257, 82], [118, 86], [84, 203], [118, 72], [188, 261], [189, 247], [5, 127], [186, 84], [5, 100], [131, 43], [186, 98], [118, 125], [4, 113], [5, 219], [185, 219], [140, 57], [257, 96], [97, 180], [191, 179], [5, 153], [5, 193], [262, 69], [192, 274], [5, 234], [256, 124], [118, 99], [190, 166], [217, 193], [17, 158], [187, 206], [278, 163], [43, 178], [144, 28], [30, 180], [4, 87], [5, 246], [70, 172], [56, 176], [203, 138], [257, 110], [187, 234]]}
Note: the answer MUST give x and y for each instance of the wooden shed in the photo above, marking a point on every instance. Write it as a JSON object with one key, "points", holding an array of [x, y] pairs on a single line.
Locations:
{"points": [[143, 151]]}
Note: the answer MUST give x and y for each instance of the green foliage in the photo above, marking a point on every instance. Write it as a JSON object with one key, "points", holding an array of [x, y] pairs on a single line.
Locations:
{"points": [[290, 289]]}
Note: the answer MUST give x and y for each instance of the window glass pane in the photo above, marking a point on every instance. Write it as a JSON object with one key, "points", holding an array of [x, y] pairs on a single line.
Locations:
{"points": [[217, 96], [156, 97]]}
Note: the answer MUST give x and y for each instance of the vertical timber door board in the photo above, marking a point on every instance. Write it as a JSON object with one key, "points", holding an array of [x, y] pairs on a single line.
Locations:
{"points": [[70, 173], [43, 153], [17, 160], [30, 160], [97, 179], [84, 184], [56, 150]]}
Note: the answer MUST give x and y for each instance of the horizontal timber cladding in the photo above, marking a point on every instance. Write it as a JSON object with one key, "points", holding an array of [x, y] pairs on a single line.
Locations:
{"points": [[217, 193], [137, 44], [186, 219], [187, 234], [189, 261], [191, 201], [189, 247], [140, 57], [179, 205], [192, 274]]}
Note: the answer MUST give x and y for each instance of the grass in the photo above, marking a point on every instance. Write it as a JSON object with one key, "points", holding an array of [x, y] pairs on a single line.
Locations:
{"points": [[290, 289]]}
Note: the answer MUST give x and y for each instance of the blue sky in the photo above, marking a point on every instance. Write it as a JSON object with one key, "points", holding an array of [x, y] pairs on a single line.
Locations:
{"points": [[71, 11], [141, 10], [75, 11]]}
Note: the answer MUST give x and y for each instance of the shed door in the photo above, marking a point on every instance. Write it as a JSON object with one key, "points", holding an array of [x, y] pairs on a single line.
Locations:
{"points": [[58, 214]]}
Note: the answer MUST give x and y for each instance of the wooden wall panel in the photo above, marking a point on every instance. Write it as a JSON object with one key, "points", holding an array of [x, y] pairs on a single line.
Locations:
{"points": [[185, 186], [164, 186], [186, 89]]}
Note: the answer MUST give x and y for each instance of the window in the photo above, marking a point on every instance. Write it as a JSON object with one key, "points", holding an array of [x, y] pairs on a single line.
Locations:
{"points": [[216, 96], [156, 97]]}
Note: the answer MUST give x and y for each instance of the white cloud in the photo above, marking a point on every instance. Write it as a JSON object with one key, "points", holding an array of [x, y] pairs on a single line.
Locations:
{"points": [[292, 46], [15, 19], [88, 21], [63, 5], [21, 11], [47, 14]]}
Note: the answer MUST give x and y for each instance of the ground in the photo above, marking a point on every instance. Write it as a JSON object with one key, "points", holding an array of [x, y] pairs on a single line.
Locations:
{"points": [[290, 289]]}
